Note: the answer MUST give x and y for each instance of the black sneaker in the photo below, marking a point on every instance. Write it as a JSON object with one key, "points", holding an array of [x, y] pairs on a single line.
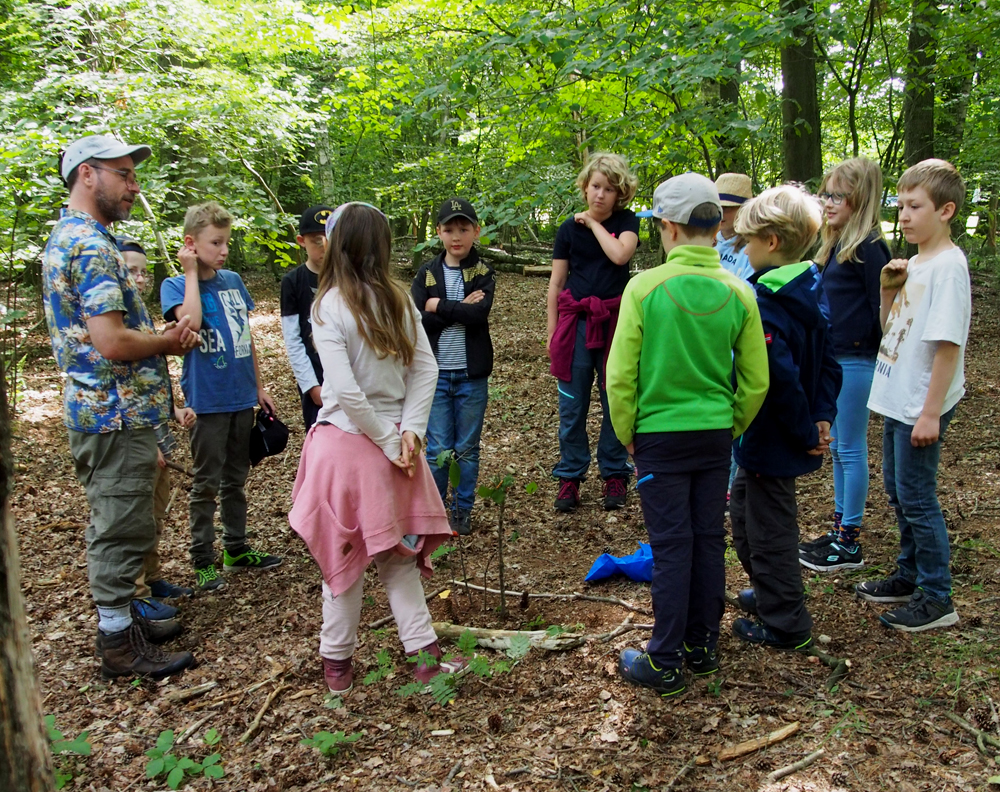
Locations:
{"points": [[569, 494], [922, 612], [701, 660], [760, 633], [893, 589], [462, 522], [811, 545], [747, 600], [615, 492], [833, 557], [208, 579], [248, 558], [637, 667]]}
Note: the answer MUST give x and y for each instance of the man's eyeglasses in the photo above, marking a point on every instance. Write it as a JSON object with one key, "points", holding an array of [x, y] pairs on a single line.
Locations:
{"points": [[836, 198], [127, 175]]}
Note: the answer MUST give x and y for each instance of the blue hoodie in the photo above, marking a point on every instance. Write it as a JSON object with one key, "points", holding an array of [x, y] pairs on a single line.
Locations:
{"points": [[805, 377]]}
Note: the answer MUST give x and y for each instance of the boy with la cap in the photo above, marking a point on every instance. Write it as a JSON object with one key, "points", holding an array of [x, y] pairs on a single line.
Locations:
{"points": [[735, 189], [297, 290], [681, 328]]}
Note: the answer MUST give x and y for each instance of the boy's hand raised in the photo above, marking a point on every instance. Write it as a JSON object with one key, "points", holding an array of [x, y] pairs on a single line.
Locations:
{"points": [[894, 274], [189, 260]]}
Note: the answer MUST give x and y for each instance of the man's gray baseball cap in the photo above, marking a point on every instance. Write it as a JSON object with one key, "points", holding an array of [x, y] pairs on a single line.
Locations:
{"points": [[676, 198], [99, 147]]}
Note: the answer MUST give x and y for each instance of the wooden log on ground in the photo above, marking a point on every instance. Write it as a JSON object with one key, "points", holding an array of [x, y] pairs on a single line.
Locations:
{"points": [[538, 271], [501, 639], [748, 747]]}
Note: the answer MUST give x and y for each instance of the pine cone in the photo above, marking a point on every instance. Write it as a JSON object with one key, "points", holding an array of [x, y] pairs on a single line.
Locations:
{"points": [[920, 733], [496, 722], [982, 718], [976, 621], [763, 764], [839, 778]]}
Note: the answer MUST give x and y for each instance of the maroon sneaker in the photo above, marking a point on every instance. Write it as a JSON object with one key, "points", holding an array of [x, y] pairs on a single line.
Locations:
{"points": [[339, 675], [569, 495], [615, 492], [425, 673]]}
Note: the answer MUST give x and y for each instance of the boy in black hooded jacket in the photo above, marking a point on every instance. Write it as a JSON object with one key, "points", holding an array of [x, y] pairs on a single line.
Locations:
{"points": [[792, 430]]}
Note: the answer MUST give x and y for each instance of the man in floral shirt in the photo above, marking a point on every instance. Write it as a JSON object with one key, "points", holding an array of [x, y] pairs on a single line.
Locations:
{"points": [[117, 389]]}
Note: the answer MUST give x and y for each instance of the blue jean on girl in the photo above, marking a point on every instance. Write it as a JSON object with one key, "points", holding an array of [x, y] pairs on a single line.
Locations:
{"points": [[849, 448], [911, 482], [456, 423], [574, 406]]}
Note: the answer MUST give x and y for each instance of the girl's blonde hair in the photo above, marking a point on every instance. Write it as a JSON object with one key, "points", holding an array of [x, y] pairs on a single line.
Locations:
{"points": [[788, 212], [615, 168], [861, 180], [357, 262]]}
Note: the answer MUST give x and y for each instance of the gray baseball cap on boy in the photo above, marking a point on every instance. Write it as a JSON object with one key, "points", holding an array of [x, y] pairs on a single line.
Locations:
{"points": [[676, 198], [99, 147]]}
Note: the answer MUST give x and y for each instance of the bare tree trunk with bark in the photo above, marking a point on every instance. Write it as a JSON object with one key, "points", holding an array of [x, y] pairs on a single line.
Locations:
{"points": [[799, 100], [25, 761], [918, 99]]}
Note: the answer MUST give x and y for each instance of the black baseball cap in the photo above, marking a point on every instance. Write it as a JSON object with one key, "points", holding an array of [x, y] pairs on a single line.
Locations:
{"points": [[456, 207], [129, 245], [313, 220]]}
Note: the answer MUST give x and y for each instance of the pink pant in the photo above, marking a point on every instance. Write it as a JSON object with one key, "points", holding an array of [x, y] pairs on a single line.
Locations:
{"points": [[342, 615]]}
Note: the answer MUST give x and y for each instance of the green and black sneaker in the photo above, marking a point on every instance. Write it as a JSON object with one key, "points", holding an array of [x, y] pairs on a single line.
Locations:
{"points": [[701, 660], [248, 558], [207, 579]]}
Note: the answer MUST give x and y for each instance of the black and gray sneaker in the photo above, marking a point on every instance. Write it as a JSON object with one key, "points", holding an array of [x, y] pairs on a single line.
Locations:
{"points": [[638, 668], [759, 633], [833, 557], [701, 660], [922, 612], [811, 545], [461, 523], [893, 589]]}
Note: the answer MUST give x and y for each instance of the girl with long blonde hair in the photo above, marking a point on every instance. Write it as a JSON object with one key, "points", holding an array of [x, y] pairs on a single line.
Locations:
{"points": [[364, 491], [852, 255]]}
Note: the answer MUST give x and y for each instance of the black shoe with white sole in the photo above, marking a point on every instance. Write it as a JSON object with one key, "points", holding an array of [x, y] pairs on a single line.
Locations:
{"points": [[832, 558], [893, 589], [922, 612]]}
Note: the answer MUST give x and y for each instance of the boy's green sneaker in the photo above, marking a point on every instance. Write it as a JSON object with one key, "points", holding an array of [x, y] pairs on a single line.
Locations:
{"points": [[638, 668], [207, 579], [248, 558]]}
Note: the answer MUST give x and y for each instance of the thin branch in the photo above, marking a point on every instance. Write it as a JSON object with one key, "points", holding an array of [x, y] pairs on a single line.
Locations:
{"points": [[802, 764], [574, 596]]}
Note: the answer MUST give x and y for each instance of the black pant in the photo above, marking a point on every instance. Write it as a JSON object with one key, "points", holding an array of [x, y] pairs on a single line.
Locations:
{"points": [[766, 537], [682, 479], [309, 410]]}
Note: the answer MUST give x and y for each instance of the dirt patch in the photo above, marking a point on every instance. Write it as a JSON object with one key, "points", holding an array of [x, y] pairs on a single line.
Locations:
{"points": [[555, 720]]}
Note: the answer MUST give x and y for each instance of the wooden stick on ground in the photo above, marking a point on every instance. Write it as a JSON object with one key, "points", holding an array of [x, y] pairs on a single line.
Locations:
{"points": [[245, 737], [177, 696], [179, 468], [802, 764], [978, 734], [383, 621], [192, 729], [681, 773], [744, 748], [576, 595]]}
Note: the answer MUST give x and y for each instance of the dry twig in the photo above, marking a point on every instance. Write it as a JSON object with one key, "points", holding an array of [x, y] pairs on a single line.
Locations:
{"points": [[681, 773], [385, 620], [981, 736], [191, 729], [795, 766], [744, 748], [576, 595], [245, 737], [177, 696]]}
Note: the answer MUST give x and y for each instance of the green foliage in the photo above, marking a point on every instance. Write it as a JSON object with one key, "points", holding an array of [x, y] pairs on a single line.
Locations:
{"points": [[385, 667], [448, 458], [441, 551], [520, 645], [329, 744], [467, 644], [65, 771], [163, 762]]}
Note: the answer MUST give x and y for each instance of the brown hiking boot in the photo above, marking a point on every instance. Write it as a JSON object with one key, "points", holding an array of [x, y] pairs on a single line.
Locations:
{"points": [[156, 632], [129, 653]]}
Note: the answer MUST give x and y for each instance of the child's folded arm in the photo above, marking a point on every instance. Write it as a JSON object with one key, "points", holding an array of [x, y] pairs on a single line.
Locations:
{"points": [[433, 323], [469, 313]]}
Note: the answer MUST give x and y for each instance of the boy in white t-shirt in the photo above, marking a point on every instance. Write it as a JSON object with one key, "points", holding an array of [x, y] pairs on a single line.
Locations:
{"points": [[926, 305]]}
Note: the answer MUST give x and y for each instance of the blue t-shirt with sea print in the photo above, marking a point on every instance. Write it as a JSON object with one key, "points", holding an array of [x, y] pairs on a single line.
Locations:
{"points": [[218, 375]]}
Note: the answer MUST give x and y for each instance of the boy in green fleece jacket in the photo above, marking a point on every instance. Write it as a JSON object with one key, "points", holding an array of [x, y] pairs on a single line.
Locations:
{"points": [[682, 327]]}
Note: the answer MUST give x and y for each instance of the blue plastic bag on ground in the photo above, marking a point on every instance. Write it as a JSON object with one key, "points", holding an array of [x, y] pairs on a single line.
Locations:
{"points": [[638, 566]]}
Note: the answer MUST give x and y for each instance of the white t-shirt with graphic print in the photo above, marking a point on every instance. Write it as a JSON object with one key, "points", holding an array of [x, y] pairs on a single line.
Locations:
{"points": [[935, 304]]}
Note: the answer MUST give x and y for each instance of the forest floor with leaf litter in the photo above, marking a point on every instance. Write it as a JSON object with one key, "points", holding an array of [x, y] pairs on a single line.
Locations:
{"points": [[555, 720]]}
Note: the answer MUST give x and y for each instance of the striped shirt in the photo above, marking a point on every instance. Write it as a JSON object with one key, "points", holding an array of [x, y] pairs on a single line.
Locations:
{"points": [[451, 344]]}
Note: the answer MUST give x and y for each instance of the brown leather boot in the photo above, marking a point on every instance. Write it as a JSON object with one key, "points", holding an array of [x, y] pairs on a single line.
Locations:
{"points": [[129, 653], [156, 632]]}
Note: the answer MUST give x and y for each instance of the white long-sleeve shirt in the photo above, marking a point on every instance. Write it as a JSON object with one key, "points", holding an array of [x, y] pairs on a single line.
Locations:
{"points": [[364, 394], [302, 368]]}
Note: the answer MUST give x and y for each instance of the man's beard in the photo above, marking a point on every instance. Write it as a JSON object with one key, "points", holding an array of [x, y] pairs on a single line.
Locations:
{"points": [[112, 209]]}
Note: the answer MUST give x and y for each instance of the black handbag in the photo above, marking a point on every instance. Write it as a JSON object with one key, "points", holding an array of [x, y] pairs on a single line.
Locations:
{"points": [[268, 437]]}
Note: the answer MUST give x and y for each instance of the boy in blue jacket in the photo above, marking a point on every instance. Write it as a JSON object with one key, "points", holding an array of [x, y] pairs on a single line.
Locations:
{"points": [[792, 430]]}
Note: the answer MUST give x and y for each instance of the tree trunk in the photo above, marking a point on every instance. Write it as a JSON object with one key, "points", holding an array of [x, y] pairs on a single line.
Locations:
{"points": [[954, 106], [25, 762], [918, 98], [729, 156], [799, 102]]}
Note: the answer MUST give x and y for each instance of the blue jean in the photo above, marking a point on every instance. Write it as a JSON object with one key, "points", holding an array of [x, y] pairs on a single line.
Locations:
{"points": [[911, 482], [456, 424], [849, 448], [574, 405]]}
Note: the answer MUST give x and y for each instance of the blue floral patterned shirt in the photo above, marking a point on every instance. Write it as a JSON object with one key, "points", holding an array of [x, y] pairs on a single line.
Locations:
{"points": [[83, 276]]}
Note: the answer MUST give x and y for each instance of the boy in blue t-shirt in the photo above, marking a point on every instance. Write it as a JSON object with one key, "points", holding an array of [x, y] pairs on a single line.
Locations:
{"points": [[221, 383], [735, 189]]}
